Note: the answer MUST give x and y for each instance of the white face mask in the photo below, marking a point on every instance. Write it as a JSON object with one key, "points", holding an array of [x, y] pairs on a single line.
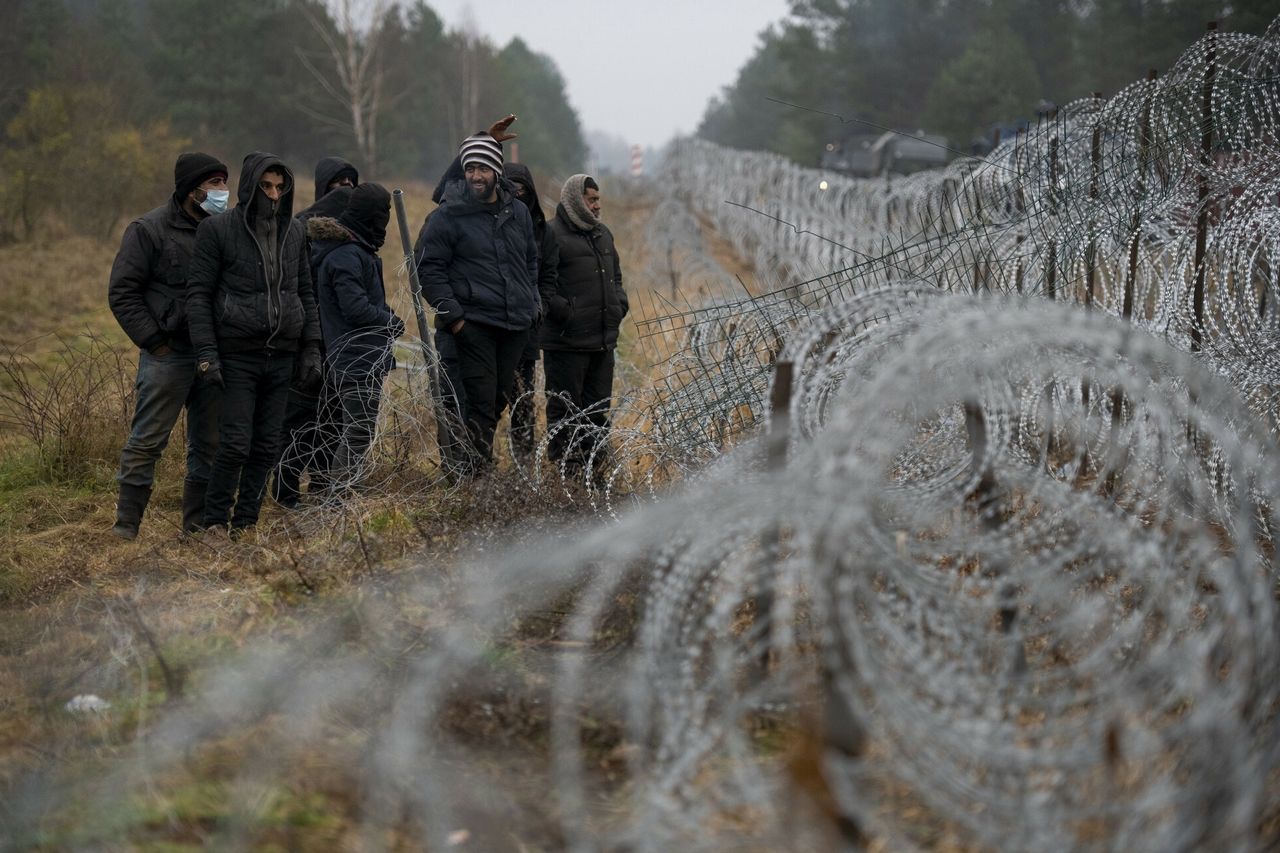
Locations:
{"points": [[215, 201]]}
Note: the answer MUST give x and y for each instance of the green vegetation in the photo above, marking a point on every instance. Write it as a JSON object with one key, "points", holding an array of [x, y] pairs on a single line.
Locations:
{"points": [[99, 98]]}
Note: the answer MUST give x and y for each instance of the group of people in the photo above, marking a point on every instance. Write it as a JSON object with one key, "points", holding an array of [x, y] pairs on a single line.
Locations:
{"points": [[274, 334]]}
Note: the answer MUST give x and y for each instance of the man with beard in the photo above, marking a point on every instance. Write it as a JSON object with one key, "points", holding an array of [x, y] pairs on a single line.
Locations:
{"points": [[311, 418], [148, 295], [478, 263], [254, 325], [581, 331]]}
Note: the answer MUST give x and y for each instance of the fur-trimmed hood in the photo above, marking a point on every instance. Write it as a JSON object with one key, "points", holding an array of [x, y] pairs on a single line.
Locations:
{"points": [[322, 228]]}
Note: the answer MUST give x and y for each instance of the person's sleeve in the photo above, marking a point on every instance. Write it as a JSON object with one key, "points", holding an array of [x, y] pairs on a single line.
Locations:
{"points": [[345, 279], [434, 254], [617, 277], [202, 281], [548, 270], [130, 278], [307, 293], [531, 251]]}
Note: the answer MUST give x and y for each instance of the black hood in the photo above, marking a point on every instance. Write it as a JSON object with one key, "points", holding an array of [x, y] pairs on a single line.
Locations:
{"points": [[251, 170], [329, 170], [451, 175], [518, 173], [331, 205]]}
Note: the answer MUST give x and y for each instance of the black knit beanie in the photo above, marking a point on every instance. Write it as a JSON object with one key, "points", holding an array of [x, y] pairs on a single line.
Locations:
{"points": [[193, 169], [367, 214]]}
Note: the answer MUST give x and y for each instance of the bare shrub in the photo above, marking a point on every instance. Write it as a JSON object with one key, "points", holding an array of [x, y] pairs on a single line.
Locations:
{"points": [[73, 406]]}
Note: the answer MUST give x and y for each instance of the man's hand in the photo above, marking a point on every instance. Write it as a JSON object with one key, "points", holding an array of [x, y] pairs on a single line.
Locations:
{"points": [[498, 130], [306, 370], [396, 327], [209, 372], [456, 326]]}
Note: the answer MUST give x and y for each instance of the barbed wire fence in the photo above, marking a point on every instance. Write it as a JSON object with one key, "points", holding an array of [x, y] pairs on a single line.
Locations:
{"points": [[982, 525]]}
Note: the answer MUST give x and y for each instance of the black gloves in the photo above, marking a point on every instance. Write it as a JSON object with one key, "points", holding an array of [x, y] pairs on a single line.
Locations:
{"points": [[306, 370], [396, 326], [209, 372]]}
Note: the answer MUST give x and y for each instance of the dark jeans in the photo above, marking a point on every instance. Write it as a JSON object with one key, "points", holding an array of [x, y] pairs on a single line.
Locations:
{"points": [[576, 382], [522, 416], [358, 415], [253, 408], [453, 394], [487, 358], [311, 429], [166, 384]]}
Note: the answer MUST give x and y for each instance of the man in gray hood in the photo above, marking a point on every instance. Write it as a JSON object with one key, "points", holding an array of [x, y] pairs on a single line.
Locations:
{"points": [[581, 330]]}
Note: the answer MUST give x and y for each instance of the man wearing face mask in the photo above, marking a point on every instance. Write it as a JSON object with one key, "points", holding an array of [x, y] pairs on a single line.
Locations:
{"points": [[254, 325], [358, 327], [478, 262], [148, 296]]}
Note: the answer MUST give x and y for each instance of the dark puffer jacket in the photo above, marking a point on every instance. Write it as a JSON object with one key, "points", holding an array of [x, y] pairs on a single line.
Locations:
{"points": [[231, 304], [548, 248], [355, 319], [329, 170], [589, 304], [477, 264], [148, 288]]}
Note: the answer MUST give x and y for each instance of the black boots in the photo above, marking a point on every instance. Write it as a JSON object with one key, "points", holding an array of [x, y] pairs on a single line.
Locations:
{"points": [[193, 505], [129, 509]]}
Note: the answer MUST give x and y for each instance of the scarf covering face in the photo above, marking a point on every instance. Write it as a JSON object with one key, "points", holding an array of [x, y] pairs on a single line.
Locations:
{"points": [[576, 206]]}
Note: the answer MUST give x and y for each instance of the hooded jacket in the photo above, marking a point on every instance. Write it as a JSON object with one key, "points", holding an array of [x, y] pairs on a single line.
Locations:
{"points": [[148, 286], [355, 319], [479, 265], [548, 248], [329, 170], [233, 304], [587, 309]]}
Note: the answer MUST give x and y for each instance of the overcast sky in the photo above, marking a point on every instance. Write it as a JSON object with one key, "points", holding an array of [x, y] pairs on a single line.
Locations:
{"points": [[639, 69]]}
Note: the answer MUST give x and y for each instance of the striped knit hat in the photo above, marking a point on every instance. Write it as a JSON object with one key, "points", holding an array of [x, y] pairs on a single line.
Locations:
{"points": [[483, 149]]}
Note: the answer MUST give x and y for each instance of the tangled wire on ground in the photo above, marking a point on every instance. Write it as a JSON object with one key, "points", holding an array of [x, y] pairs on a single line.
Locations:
{"points": [[1002, 568], [1051, 624]]}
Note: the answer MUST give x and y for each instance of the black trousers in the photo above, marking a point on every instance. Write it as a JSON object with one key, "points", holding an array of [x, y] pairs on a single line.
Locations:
{"points": [[358, 416], [522, 414], [487, 358], [253, 407], [310, 433], [579, 386]]}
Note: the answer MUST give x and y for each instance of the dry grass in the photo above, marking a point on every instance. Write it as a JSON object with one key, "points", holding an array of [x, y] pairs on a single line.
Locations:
{"points": [[140, 622]]}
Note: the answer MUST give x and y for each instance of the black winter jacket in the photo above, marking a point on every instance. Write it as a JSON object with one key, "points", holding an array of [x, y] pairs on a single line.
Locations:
{"points": [[548, 248], [478, 265], [148, 288], [355, 319], [589, 303], [231, 304]]}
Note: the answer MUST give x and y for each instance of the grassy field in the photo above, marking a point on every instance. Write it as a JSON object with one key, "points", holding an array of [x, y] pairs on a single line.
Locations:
{"points": [[141, 623]]}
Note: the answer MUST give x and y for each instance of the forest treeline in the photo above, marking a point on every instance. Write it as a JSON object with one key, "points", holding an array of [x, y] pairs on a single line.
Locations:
{"points": [[97, 97], [954, 67]]}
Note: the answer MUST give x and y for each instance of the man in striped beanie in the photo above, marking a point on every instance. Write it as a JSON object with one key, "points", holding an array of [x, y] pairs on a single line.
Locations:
{"points": [[478, 262]]}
